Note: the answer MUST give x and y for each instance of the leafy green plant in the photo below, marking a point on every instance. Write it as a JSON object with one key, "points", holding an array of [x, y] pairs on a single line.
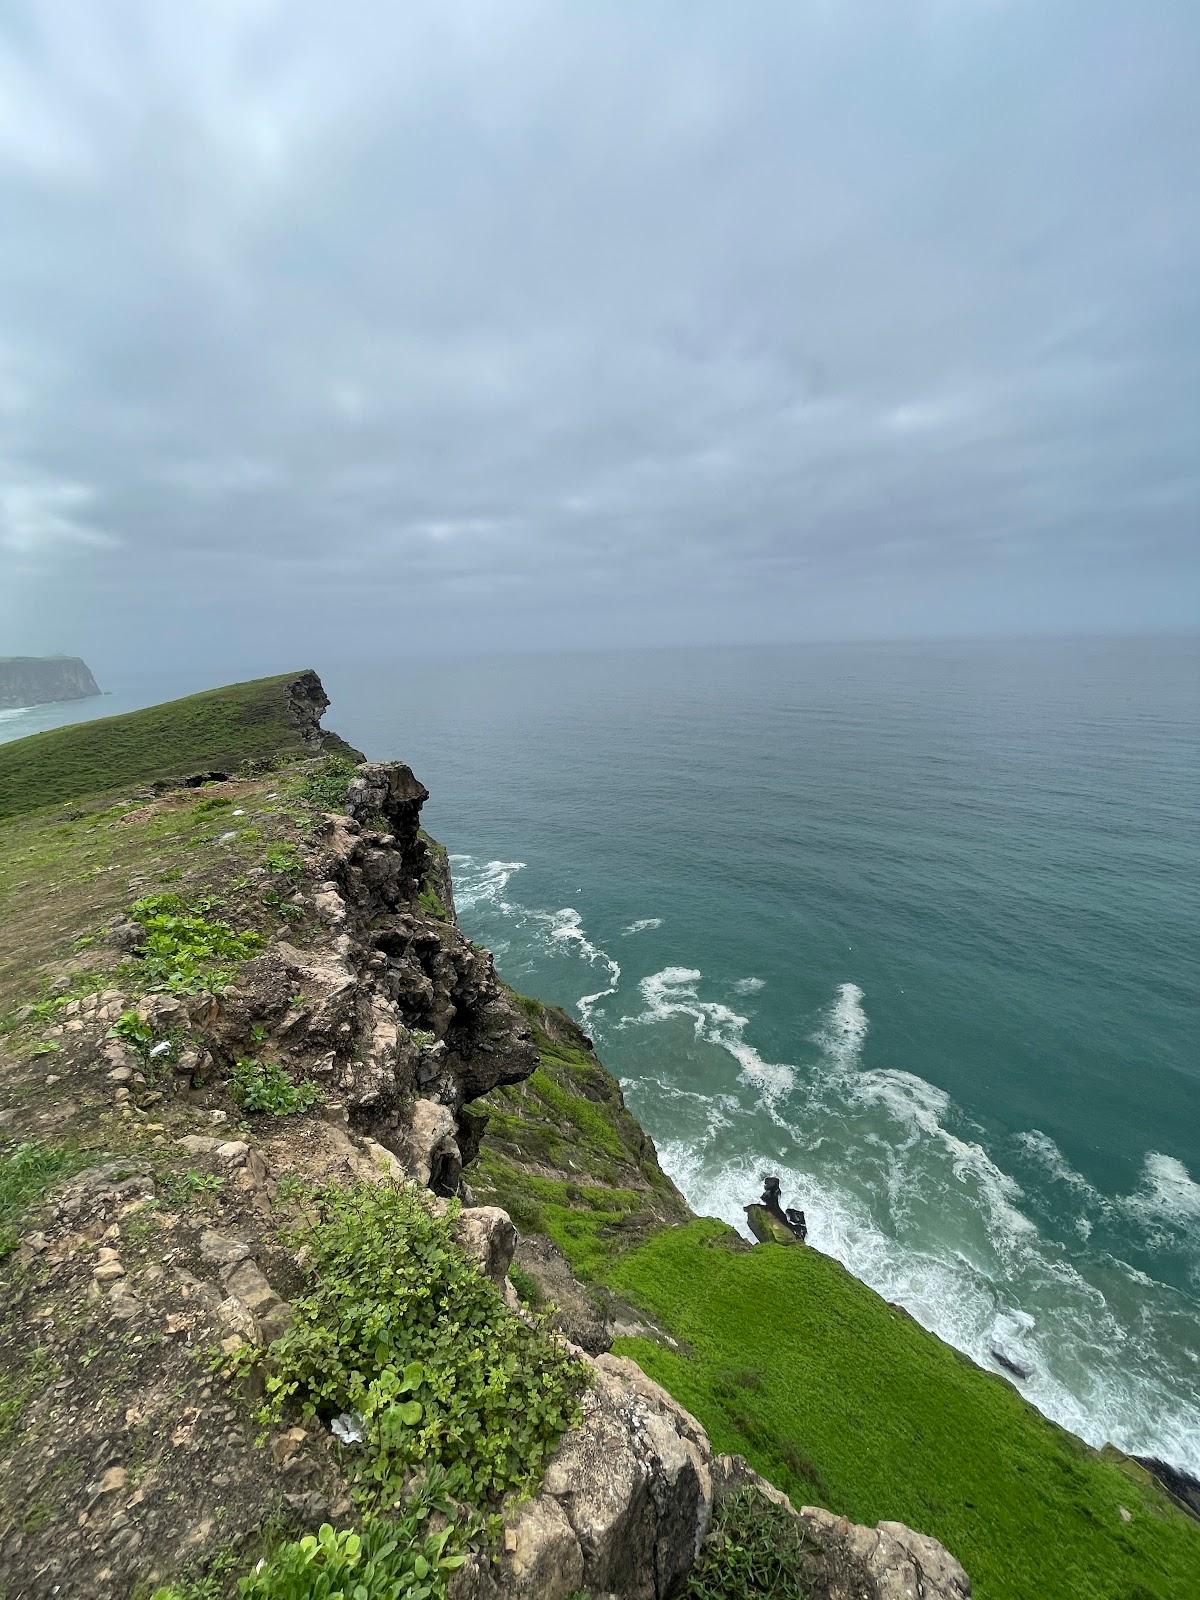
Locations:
{"points": [[402, 1560], [134, 1031], [399, 1328], [325, 786], [264, 1087], [755, 1551], [281, 908], [183, 950], [48, 1047], [283, 857]]}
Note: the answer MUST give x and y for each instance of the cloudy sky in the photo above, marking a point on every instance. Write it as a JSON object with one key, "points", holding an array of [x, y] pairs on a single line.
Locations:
{"points": [[516, 325]]}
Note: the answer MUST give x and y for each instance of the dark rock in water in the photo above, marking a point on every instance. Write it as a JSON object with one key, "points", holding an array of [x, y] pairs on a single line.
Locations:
{"points": [[770, 1223], [1009, 1365], [41, 680], [1181, 1486]]}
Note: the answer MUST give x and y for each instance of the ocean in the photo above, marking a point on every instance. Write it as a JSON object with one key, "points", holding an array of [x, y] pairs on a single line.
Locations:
{"points": [[913, 926]]}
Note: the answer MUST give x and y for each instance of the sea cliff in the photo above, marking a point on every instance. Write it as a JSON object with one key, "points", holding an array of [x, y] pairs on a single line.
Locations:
{"points": [[39, 680], [310, 1221]]}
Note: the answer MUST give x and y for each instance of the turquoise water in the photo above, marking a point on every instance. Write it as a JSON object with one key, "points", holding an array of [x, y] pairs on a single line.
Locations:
{"points": [[915, 927]]}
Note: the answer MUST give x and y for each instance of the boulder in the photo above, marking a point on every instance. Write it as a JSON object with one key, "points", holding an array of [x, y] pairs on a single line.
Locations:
{"points": [[489, 1239]]}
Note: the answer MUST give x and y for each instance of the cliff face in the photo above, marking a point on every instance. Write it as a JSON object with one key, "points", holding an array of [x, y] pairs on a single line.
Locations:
{"points": [[39, 680], [284, 1009]]}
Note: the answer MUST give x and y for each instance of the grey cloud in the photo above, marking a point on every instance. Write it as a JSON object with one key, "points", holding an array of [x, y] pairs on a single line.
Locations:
{"points": [[542, 324]]}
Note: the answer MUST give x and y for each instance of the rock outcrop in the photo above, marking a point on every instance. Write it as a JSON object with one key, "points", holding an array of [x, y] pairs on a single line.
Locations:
{"points": [[41, 680], [627, 1502]]}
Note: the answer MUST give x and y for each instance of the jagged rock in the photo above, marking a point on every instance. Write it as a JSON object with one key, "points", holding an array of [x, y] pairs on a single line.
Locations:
{"points": [[767, 1228], [221, 1250], [246, 1281], [433, 1151], [488, 1238], [888, 1562]]}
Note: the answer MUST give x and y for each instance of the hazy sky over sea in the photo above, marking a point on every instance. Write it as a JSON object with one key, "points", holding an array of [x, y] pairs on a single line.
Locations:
{"points": [[522, 324]]}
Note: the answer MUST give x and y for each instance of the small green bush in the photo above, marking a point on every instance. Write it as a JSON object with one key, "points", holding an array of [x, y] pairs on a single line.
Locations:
{"points": [[264, 1086], [184, 951], [401, 1329], [755, 1551], [401, 1560], [325, 787]]}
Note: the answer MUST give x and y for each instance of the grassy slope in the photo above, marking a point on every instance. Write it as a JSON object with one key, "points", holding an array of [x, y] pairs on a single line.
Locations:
{"points": [[834, 1395], [565, 1158], [217, 731], [844, 1401]]}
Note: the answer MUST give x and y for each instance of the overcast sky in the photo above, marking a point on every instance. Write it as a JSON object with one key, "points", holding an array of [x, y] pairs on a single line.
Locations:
{"points": [[381, 327]]}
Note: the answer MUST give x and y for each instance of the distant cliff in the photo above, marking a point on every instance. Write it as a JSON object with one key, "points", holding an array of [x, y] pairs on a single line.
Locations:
{"points": [[37, 680]]}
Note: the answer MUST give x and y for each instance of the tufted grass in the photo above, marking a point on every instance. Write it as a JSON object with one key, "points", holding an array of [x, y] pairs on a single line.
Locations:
{"points": [[844, 1401]]}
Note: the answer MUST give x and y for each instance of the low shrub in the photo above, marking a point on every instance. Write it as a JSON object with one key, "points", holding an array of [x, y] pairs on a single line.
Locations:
{"points": [[402, 1332], [402, 1560], [755, 1551], [325, 786]]}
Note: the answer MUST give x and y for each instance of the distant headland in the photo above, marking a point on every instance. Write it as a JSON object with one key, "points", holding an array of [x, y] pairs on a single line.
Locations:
{"points": [[38, 680]]}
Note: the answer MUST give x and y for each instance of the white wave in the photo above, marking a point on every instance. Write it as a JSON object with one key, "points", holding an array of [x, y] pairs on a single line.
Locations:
{"points": [[642, 925], [845, 1026], [749, 985], [674, 992], [479, 883], [1167, 1195], [566, 927]]}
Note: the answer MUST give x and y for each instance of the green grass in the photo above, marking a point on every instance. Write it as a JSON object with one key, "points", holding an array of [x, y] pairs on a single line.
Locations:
{"points": [[754, 1551], [216, 731], [844, 1401], [569, 1121], [27, 1171]]}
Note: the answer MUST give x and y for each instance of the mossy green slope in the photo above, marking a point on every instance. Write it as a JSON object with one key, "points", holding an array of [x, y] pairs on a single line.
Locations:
{"points": [[844, 1401], [217, 730], [565, 1158]]}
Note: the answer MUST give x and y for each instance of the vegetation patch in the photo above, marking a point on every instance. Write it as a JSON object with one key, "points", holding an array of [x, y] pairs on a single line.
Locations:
{"points": [[754, 1551], [430, 903], [26, 1172], [564, 1157], [264, 1088], [325, 786], [402, 1557], [402, 1335], [184, 951], [283, 857]]}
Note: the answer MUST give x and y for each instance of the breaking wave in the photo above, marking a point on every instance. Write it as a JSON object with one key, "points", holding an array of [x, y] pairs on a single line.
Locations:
{"points": [[895, 1187], [673, 992], [481, 885]]}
